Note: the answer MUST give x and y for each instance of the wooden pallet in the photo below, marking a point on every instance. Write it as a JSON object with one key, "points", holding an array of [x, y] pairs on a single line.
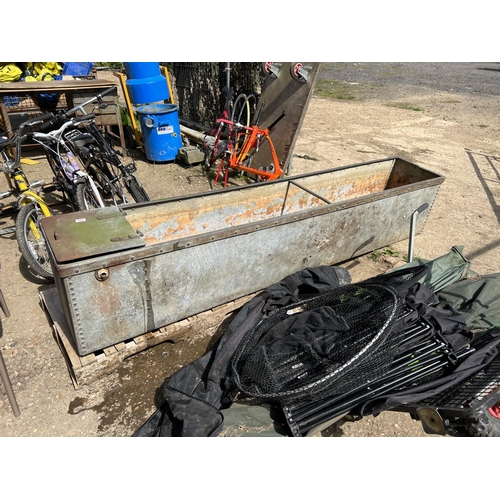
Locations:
{"points": [[87, 369]]}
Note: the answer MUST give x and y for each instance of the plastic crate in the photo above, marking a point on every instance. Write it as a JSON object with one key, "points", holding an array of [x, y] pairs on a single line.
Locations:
{"points": [[11, 100], [77, 68]]}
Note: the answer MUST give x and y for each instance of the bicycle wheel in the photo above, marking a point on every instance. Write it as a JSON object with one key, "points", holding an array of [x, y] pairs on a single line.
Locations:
{"points": [[253, 99], [241, 110], [111, 192], [134, 187], [85, 197], [31, 242]]}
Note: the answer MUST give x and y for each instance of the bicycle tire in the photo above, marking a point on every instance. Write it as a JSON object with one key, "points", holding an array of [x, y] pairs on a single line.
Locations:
{"points": [[238, 110], [111, 192], [85, 198], [253, 99], [134, 187], [33, 247]]}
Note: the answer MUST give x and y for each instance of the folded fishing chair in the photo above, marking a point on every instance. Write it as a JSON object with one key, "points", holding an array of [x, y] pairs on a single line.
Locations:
{"points": [[327, 346]]}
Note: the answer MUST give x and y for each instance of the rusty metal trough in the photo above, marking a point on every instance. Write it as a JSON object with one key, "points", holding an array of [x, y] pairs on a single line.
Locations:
{"points": [[123, 272]]}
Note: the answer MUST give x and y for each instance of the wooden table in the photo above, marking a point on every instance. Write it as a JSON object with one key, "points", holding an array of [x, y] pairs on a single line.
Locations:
{"points": [[23, 97]]}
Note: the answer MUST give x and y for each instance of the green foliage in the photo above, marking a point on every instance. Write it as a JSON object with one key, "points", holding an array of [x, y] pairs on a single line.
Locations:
{"points": [[334, 89], [377, 254], [403, 105], [110, 65]]}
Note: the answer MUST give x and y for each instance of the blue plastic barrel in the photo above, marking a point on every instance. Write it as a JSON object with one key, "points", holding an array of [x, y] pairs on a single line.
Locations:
{"points": [[140, 70], [145, 83], [161, 131]]}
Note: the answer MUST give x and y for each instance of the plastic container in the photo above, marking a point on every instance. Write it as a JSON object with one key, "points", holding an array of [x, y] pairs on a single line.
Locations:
{"points": [[161, 131], [141, 70], [77, 68], [145, 83], [148, 91], [11, 100]]}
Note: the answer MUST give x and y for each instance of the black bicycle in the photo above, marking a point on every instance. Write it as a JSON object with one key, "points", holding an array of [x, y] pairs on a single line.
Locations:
{"points": [[76, 184], [103, 163]]}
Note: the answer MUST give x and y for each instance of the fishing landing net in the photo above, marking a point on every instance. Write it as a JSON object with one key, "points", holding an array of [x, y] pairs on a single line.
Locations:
{"points": [[329, 344]]}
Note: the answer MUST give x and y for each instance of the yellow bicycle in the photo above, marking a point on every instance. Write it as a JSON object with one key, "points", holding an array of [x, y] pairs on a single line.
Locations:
{"points": [[32, 208]]}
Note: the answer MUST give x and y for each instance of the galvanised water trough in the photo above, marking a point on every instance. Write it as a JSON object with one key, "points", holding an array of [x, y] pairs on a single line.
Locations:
{"points": [[122, 272]]}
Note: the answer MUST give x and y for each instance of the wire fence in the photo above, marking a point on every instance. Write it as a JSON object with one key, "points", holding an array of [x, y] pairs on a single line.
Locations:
{"points": [[198, 87]]}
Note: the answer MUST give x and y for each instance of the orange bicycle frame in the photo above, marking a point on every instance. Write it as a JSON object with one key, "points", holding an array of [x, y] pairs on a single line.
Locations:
{"points": [[254, 136]]}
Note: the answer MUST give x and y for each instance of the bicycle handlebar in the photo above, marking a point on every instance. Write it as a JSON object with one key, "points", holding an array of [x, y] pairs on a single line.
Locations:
{"points": [[37, 119], [17, 138], [60, 119], [84, 118], [97, 97], [53, 120]]}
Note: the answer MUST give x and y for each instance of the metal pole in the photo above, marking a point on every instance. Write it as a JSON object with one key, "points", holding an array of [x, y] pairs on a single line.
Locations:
{"points": [[412, 230], [228, 75], [8, 387], [228, 85], [3, 369]]}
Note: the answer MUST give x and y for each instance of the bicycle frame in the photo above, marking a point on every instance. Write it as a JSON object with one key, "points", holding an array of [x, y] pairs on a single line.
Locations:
{"points": [[20, 188], [240, 159], [100, 149], [30, 239], [65, 170]]}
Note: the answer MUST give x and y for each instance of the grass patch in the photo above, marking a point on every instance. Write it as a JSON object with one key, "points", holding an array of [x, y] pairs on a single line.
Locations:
{"points": [[334, 89], [403, 105], [377, 254], [416, 258], [483, 126]]}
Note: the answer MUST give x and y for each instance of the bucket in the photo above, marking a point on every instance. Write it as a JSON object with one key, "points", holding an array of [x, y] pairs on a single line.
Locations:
{"points": [[145, 83], [161, 131]]}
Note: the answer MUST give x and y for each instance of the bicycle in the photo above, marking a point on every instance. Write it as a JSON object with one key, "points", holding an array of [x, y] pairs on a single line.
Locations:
{"points": [[100, 159], [238, 150], [75, 184], [217, 137], [31, 207]]}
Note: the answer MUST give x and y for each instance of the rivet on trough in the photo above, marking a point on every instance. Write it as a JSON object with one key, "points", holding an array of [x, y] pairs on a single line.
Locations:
{"points": [[102, 274]]}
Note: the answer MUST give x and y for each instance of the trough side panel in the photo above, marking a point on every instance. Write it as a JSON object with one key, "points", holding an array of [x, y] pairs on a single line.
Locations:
{"points": [[146, 294]]}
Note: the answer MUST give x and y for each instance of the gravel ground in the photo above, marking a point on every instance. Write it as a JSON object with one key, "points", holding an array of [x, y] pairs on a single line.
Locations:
{"points": [[441, 130], [476, 78], [457, 123]]}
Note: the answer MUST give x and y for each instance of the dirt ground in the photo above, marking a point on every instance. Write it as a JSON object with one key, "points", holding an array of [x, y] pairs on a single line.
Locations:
{"points": [[456, 135]]}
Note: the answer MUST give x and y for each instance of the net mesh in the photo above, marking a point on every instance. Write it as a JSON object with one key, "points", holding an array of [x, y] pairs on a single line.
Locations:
{"points": [[326, 345]]}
